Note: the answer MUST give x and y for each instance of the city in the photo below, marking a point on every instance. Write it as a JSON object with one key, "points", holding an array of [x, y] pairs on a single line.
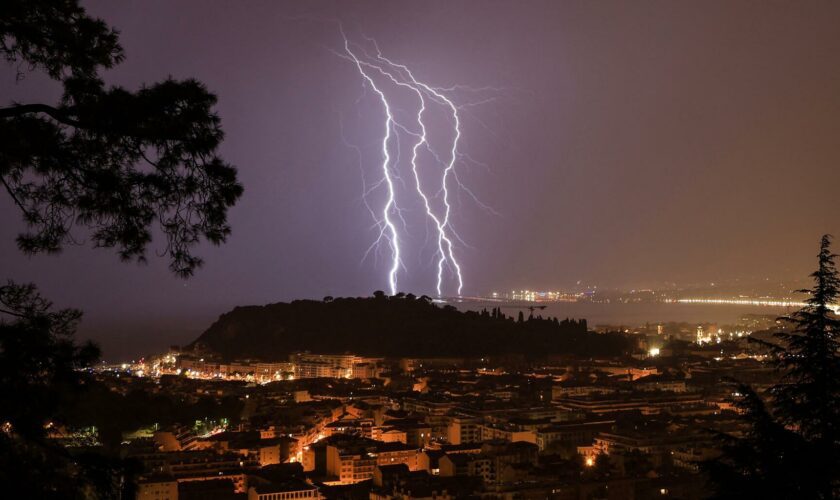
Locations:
{"points": [[320, 425]]}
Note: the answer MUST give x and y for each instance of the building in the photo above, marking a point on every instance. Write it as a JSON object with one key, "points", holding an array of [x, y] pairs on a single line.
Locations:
{"points": [[351, 459], [287, 490], [464, 430], [571, 434], [651, 404], [506, 432], [161, 487], [310, 365]]}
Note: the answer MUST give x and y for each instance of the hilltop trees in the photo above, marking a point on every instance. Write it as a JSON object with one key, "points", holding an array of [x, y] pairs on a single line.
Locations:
{"points": [[116, 162], [792, 447], [394, 326]]}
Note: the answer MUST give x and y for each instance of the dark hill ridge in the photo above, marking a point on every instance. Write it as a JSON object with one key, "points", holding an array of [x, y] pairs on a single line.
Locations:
{"points": [[404, 326]]}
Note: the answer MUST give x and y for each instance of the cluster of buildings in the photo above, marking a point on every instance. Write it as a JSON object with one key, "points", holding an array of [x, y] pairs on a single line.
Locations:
{"points": [[299, 366], [703, 333], [538, 296], [348, 426]]}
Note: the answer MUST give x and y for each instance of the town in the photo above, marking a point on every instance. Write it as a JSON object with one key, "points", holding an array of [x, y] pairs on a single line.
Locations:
{"points": [[349, 426]]}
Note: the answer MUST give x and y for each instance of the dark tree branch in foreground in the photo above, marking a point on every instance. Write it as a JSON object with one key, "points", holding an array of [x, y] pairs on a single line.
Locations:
{"points": [[39, 372], [58, 37], [38, 358], [124, 164], [115, 161], [24, 109]]}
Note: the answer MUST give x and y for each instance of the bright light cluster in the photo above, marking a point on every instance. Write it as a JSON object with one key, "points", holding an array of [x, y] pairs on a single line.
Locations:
{"points": [[751, 302], [538, 296]]}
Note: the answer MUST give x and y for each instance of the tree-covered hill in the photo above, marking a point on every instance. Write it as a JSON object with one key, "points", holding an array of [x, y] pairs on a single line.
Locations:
{"points": [[402, 325]]}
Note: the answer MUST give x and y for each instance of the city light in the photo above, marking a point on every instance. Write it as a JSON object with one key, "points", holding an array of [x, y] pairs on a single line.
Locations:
{"points": [[750, 302]]}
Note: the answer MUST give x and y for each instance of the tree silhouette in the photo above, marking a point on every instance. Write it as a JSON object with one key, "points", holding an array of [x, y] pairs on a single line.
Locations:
{"points": [[791, 448], [39, 372], [808, 397], [112, 160], [117, 162], [38, 358], [767, 461]]}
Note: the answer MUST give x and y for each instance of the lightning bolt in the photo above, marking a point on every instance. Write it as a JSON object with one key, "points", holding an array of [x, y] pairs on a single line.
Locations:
{"points": [[400, 75], [387, 225], [445, 246]]}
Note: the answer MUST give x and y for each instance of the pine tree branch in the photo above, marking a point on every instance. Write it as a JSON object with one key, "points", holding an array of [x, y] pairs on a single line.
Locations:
{"points": [[25, 109]]}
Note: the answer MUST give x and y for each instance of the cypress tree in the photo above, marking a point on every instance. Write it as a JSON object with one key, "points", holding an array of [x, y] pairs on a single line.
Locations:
{"points": [[791, 447], [808, 396]]}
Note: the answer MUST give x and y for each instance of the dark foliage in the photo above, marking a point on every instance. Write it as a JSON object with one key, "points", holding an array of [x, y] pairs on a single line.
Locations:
{"points": [[768, 461], [792, 447], [391, 326], [113, 413], [57, 37], [39, 359], [39, 370], [808, 397], [44, 471], [115, 161]]}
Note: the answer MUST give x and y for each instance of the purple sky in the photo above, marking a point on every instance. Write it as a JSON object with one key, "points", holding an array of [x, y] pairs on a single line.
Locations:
{"points": [[634, 144]]}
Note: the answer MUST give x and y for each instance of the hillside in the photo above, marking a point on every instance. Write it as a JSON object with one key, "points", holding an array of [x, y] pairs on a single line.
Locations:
{"points": [[394, 326]]}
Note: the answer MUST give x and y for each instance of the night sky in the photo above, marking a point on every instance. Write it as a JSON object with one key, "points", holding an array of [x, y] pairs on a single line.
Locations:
{"points": [[626, 144]]}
